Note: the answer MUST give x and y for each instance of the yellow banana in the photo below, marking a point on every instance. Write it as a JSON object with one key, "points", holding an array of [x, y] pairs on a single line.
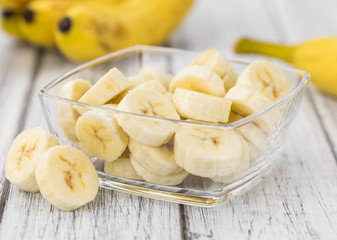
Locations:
{"points": [[9, 21], [85, 33], [317, 56], [13, 3], [40, 18]]}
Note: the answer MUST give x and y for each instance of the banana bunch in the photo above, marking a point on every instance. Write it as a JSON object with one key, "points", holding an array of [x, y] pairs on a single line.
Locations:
{"points": [[138, 132], [85, 29]]}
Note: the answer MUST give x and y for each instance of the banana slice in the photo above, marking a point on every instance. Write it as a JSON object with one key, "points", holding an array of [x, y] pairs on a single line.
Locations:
{"points": [[153, 74], [67, 116], [137, 80], [253, 134], [122, 167], [171, 179], [107, 87], [240, 170], [146, 101], [159, 160], [66, 178], [200, 106], [23, 156], [153, 84], [207, 152], [80, 147], [266, 78], [100, 134], [218, 63], [200, 79], [246, 101]]}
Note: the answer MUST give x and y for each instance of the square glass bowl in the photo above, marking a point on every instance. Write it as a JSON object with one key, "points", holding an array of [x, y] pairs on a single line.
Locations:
{"points": [[264, 145]]}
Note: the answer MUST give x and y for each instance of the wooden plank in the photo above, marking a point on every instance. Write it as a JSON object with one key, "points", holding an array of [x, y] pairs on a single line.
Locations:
{"points": [[296, 200], [111, 214], [17, 66]]}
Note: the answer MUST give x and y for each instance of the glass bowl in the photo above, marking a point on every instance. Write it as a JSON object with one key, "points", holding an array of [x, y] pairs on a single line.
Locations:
{"points": [[264, 146]]}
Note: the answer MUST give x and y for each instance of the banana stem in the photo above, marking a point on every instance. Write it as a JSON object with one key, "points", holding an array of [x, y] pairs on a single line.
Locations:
{"points": [[247, 45]]}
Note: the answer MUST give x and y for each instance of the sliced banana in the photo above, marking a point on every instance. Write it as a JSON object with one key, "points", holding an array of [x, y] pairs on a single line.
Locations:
{"points": [[66, 177], [137, 80], [266, 78], [200, 106], [80, 147], [122, 167], [247, 101], [154, 84], [153, 74], [100, 134], [218, 63], [107, 87], [159, 160], [171, 179], [207, 152], [240, 171], [146, 101], [67, 116], [23, 156], [200, 79]]}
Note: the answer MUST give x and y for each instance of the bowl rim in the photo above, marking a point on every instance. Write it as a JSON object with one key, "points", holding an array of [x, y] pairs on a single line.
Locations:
{"points": [[43, 92]]}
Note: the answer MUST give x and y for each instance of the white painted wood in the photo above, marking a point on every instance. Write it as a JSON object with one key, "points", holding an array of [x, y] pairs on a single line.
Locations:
{"points": [[17, 62], [113, 215]]}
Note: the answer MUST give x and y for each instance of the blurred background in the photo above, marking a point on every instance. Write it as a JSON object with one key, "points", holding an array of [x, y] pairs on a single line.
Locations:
{"points": [[76, 31]]}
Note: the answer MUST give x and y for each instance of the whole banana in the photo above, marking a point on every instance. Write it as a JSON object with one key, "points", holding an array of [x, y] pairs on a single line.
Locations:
{"points": [[317, 56], [86, 32]]}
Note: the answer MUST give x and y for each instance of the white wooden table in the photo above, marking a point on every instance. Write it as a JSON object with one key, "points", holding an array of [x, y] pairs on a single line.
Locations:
{"points": [[296, 200]]}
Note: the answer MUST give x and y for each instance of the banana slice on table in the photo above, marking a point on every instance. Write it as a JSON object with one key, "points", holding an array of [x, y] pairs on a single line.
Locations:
{"points": [[218, 63], [23, 156], [200, 79], [154, 84], [207, 152], [122, 167], [159, 160], [67, 116], [171, 179], [200, 106], [153, 74], [266, 78], [100, 134], [146, 101], [239, 172], [107, 87], [66, 177]]}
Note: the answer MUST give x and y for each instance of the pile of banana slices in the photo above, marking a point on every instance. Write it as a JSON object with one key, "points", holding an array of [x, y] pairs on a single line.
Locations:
{"points": [[156, 148]]}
